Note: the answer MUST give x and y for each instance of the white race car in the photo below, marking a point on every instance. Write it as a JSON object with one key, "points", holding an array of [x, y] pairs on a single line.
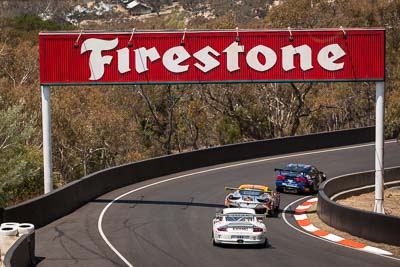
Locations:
{"points": [[239, 226]]}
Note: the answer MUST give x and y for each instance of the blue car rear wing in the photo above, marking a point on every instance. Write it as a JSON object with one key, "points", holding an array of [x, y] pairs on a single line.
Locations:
{"points": [[289, 171]]}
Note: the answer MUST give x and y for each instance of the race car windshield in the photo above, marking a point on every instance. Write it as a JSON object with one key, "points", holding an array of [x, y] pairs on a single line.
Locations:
{"points": [[238, 218], [294, 169], [253, 193]]}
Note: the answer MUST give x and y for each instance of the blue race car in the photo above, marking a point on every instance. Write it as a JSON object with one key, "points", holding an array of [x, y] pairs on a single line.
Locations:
{"points": [[299, 178]]}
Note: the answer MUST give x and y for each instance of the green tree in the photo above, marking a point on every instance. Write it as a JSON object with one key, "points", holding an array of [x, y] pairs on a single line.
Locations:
{"points": [[20, 159]]}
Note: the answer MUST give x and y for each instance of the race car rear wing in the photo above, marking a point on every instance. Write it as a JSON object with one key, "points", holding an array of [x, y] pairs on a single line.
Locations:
{"points": [[227, 188], [245, 189], [240, 215], [296, 172], [288, 171]]}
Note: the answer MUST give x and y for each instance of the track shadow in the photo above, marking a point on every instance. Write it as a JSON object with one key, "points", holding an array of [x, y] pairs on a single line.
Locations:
{"points": [[38, 260], [184, 204], [158, 202]]}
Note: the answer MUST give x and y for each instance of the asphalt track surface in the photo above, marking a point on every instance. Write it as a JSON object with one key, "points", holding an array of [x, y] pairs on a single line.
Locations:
{"points": [[169, 223]]}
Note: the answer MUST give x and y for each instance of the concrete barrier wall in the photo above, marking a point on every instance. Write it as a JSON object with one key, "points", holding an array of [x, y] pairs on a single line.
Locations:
{"points": [[45, 209], [22, 253], [369, 225]]}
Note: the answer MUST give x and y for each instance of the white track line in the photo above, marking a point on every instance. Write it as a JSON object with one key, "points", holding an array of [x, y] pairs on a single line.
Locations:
{"points": [[99, 223]]}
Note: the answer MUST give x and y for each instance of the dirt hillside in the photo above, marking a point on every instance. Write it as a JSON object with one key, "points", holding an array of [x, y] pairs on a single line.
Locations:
{"points": [[366, 201]]}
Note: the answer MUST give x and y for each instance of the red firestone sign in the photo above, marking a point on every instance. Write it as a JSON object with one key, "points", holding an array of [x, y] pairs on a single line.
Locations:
{"points": [[323, 55]]}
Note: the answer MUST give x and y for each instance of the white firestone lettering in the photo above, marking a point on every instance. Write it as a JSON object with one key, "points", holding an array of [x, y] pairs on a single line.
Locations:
{"points": [[173, 57], [328, 55], [123, 60], [288, 53], [141, 55], [232, 56], [96, 60], [268, 53], [204, 57]]}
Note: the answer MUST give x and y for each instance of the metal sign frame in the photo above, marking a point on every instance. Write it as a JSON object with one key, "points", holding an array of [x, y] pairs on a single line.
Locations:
{"points": [[205, 56]]}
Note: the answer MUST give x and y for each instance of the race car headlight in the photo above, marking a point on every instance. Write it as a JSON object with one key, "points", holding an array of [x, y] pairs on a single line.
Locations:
{"points": [[233, 197]]}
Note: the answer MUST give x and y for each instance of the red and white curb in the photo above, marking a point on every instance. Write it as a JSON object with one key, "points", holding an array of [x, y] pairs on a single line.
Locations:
{"points": [[303, 221]]}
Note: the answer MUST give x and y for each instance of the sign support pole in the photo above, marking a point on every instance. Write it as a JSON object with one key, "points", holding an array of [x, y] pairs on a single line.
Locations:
{"points": [[379, 147], [46, 124]]}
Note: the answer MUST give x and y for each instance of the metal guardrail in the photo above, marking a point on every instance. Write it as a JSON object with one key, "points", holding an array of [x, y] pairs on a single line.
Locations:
{"points": [[369, 225], [22, 252]]}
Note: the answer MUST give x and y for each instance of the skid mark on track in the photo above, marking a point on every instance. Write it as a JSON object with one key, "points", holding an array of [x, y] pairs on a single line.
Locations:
{"points": [[136, 203], [189, 203]]}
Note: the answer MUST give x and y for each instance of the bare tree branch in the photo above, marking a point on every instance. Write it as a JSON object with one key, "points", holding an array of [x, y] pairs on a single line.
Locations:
{"points": [[149, 105]]}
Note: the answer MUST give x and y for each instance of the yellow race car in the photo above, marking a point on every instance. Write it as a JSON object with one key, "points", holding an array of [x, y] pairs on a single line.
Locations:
{"points": [[257, 197]]}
